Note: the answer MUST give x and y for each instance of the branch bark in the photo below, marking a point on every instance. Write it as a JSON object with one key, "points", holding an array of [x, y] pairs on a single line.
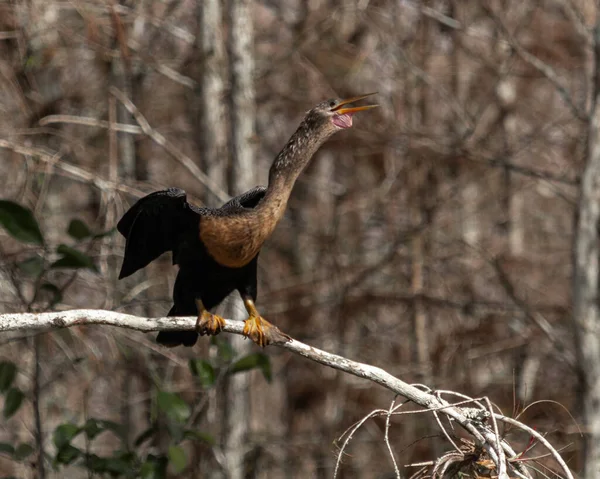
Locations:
{"points": [[473, 419]]}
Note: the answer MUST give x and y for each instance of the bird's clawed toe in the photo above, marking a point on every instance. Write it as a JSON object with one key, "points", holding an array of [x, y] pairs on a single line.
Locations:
{"points": [[209, 324], [264, 333]]}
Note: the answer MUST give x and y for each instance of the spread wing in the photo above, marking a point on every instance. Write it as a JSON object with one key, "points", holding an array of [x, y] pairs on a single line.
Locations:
{"points": [[154, 225]]}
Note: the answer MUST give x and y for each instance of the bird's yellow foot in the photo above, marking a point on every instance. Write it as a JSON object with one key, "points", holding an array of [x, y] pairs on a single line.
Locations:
{"points": [[209, 324], [259, 330]]}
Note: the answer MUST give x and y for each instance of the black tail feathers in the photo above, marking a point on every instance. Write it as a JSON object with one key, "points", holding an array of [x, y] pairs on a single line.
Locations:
{"points": [[171, 339]]}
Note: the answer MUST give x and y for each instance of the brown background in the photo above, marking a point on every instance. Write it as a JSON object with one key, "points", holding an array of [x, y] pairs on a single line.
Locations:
{"points": [[434, 239]]}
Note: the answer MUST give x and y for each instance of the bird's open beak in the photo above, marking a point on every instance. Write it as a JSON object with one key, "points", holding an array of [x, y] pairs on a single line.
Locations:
{"points": [[341, 110]]}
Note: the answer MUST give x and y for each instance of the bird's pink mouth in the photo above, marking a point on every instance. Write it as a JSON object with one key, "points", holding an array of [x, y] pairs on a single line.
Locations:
{"points": [[342, 121]]}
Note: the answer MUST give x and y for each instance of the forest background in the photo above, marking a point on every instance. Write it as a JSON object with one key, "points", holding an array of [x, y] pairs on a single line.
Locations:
{"points": [[449, 237]]}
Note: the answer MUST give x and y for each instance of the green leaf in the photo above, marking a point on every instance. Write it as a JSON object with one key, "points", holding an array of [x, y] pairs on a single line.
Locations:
{"points": [[12, 402], [95, 463], [115, 427], [155, 467], [119, 466], [254, 360], [23, 451], [67, 454], [20, 223], [78, 230], [64, 433], [173, 406], [54, 291], [203, 370], [148, 471], [225, 350], [72, 258], [177, 458], [193, 435], [8, 372], [33, 266], [7, 448], [92, 428]]}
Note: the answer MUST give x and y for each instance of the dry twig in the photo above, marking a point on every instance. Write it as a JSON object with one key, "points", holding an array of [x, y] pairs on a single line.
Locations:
{"points": [[169, 147], [68, 169], [546, 70]]}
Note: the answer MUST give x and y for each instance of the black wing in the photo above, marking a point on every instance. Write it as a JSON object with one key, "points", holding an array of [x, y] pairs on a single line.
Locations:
{"points": [[249, 199], [154, 225]]}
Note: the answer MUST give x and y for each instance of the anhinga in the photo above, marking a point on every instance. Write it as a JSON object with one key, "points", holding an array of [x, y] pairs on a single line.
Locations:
{"points": [[217, 248]]}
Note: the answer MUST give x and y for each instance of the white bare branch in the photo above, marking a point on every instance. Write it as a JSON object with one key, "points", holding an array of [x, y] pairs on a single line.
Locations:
{"points": [[475, 423]]}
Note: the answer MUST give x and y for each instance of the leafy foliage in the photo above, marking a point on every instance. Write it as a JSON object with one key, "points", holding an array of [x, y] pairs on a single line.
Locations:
{"points": [[12, 402], [204, 371], [13, 396], [32, 266], [252, 361], [78, 230], [173, 406], [20, 223], [8, 372], [64, 433], [177, 458], [6, 448], [74, 259], [23, 451]]}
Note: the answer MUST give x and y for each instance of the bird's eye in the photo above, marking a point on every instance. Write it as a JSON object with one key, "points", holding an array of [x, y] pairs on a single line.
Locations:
{"points": [[332, 103]]}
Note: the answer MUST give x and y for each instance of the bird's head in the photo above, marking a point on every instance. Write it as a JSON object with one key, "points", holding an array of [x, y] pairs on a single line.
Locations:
{"points": [[319, 124], [336, 113]]}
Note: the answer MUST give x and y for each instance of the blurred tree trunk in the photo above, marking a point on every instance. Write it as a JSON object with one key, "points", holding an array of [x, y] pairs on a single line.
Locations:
{"points": [[470, 226], [212, 139], [243, 111], [123, 166], [241, 178], [420, 190], [213, 130], [293, 14], [586, 313]]}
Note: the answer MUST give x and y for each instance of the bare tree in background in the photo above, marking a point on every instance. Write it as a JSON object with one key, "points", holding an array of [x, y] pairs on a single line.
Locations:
{"points": [[586, 251], [242, 177], [212, 127], [209, 62], [483, 121]]}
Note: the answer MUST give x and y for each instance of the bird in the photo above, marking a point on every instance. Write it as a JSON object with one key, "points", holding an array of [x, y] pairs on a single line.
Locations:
{"points": [[217, 249]]}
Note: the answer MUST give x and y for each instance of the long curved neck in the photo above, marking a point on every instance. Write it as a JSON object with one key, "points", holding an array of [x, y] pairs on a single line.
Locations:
{"points": [[286, 167], [235, 240], [293, 158]]}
